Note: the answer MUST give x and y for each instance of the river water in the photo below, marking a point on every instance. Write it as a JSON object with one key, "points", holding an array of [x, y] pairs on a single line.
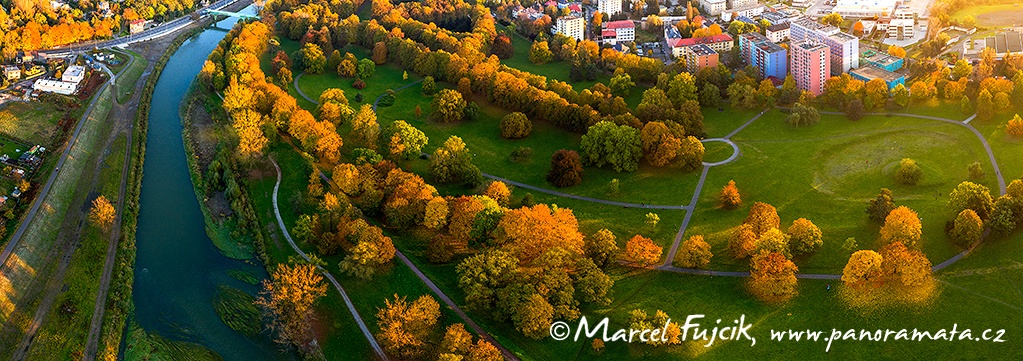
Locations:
{"points": [[177, 268]]}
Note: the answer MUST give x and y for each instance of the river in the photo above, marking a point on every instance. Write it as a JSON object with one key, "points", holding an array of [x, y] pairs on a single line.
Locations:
{"points": [[177, 268]]}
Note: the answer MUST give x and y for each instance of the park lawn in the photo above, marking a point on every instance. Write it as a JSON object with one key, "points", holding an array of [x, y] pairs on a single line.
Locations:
{"points": [[716, 151], [126, 79], [1007, 149], [827, 173], [719, 123], [32, 122], [992, 15], [651, 185], [936, 108]]}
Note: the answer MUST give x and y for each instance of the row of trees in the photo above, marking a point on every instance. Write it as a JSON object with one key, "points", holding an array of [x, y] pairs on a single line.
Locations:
{"points": [[411, 330]]}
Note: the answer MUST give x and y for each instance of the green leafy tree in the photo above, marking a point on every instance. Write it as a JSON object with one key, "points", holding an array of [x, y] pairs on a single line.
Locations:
{"points": [[448, 106], [429, 86], [805, 237], [967, 228], [909, 172], [312, 59], [880, 206], [602, 248], [452, 163], [515, 125], [406, 141], [606, 143], [365, 68], [621, 84], [969, 195], [900, 95]]}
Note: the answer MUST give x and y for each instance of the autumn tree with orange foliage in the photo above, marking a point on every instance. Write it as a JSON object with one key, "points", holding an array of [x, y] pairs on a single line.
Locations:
{"points": [[529, 231], [902, 225], [863, 268], [729, 197], [642, 251], [909, 267], [1015, 127], [762, 217], [406, 327], [499, 192], [743, 241], [694, 253], [287, 300], [102, 213], [659, 145], [773, 277], [896, 51], [371, 250]]}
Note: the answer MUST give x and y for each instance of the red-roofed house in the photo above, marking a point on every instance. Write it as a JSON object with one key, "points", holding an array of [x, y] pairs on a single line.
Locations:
{"points": [[575, 8], [721, 43], [136, 26], [621, 31]]}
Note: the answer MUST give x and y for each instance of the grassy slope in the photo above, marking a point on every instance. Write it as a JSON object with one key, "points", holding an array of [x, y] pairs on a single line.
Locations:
{"points": [[126, 82], [36, 121]]}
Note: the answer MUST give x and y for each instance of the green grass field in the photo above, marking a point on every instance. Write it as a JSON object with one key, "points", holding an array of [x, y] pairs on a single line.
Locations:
{"points": [[34, 122], [125, 83], [993, 15]]}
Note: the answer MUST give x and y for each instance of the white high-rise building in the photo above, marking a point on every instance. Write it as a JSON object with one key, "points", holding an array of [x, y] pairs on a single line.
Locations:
{"points": [[571, 26], [609, 7], [845, 48]]}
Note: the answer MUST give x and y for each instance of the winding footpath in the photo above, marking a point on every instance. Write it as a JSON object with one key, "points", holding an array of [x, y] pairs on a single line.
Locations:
{"points": [[508, 355], [348, 302]]}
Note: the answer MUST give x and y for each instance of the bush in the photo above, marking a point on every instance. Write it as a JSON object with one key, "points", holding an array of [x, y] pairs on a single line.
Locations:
{"points": [[521, 154], [909, 172], [358, 98], [387, 99], [359, 84], [976, 171], [1015, 127], [515, 126]]}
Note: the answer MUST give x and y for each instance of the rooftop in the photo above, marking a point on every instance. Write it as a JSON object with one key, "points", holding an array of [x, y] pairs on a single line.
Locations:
{"points": [[811, 46], [778, 27], [704, 40], [878, 57], [75, 70], [620, 24], [702, 50], [873, 72]]}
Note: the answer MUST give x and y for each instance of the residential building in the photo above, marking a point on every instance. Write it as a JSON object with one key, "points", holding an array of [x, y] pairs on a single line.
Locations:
{"points": [[12, 72], [136, 26], [609, 7], [778, 32], [768, 58], [881, 60], [621, 31], [55, 86], [750, 11], [700, 56], [845, 48], [868, 73], [571, 26], [902, 26], [811, 66], [713, 7], [864, 8], [73, 74], [732, 4], [721, 43], [778, 16]]}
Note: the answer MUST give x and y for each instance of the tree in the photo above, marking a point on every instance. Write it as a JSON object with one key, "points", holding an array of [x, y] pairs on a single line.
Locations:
{"points": [[539, 53], [803, 115], [854, 110], [371, 251], [1002, 102], [405, 327], [651, 220], [365, 68], [805, 237], [312, 58], [502, 47], [452, 163], [284, 76], [606, 143], [484, 351], [429, 86], [365, 129], [566, 169], [903, 226], [456, 341], [1004, 218], [287, 300], [436, 213], [896, 51], [743, 241], [682, 87], [900, 95], [694, 253], [346, 69], [762, 217], [102, 213], [601, 248], [531, 231], [863, 268], [907, 266], [534, 317], [976, 171], [909, 172], [334, 60], [1015, 127], [833, 19], [621, 84], [499, 192], [710, 95], [969, 21], [881, 206], [729, 197], [985, 105], [642, 251], [406, 141], [969, 195], [659, 144], [515, 125], [965, 105], [379, 53], [773, 277], [448, 106], [967, 228]]}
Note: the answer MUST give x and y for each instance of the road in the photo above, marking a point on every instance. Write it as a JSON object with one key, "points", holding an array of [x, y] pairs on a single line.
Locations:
{"points": [[148, 34], [344, 295]]}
